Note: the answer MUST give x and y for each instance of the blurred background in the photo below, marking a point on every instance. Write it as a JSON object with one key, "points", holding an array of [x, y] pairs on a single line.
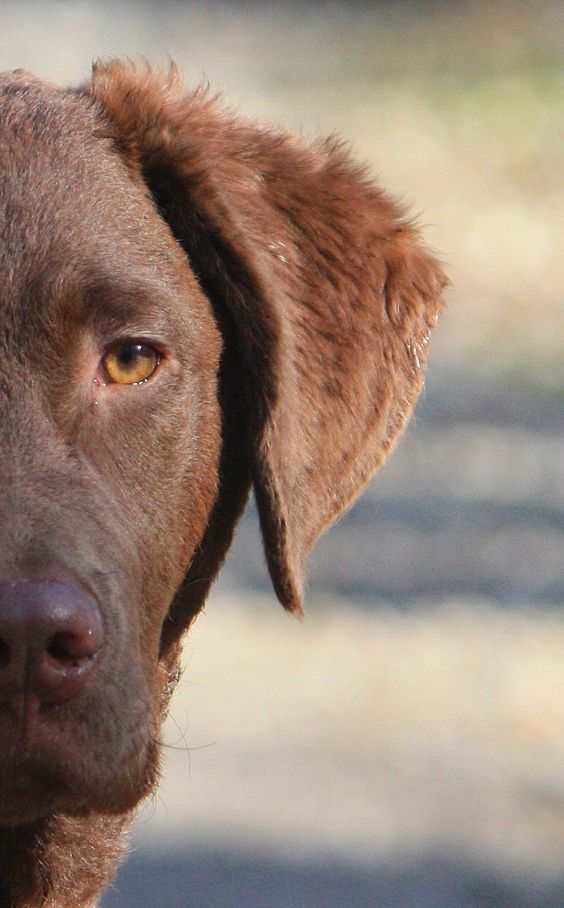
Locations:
{"points": [[404, 746]]}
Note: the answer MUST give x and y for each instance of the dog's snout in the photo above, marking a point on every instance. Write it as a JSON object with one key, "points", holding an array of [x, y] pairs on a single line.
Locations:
{"points": [[50, 636]]}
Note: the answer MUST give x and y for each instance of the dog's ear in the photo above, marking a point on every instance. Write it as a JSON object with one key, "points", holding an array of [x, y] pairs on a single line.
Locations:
{"points": [[323, 292]]}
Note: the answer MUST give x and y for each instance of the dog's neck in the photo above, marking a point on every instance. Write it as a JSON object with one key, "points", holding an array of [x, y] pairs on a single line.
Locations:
{"points": [[60, 862]]}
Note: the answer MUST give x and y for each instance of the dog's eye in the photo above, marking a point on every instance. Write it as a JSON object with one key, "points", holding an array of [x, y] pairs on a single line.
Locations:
{"points": [[130, 363]]}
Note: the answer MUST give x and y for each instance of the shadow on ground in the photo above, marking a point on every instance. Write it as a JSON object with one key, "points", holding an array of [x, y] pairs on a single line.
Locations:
{"points": [[217, 879]]}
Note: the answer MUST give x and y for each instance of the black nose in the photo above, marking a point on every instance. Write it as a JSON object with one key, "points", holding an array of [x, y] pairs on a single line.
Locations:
{"points": [[50, 636]]}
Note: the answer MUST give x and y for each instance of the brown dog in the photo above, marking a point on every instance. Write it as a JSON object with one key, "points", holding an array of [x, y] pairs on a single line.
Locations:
{"points": [[191, 304]]}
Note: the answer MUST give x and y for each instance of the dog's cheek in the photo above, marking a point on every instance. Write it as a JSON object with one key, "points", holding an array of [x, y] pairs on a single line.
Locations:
{"points": [[185, 508], [171, 467]]}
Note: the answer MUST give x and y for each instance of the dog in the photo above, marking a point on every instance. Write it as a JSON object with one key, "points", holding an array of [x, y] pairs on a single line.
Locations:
{"points": [[191, 305]]}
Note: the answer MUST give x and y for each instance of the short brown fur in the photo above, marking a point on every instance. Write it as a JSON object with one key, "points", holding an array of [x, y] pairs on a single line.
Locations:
{"points": [[293, 302]]}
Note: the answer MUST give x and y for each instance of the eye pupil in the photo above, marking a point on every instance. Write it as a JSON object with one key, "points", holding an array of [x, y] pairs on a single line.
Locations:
{"points": [[129, 352], [130, 363]]}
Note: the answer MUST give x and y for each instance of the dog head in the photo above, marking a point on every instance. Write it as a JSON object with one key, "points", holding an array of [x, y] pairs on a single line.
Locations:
{"points": [[191, 305]]}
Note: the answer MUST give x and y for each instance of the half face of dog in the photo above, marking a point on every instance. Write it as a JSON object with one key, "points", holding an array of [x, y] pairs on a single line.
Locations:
{"points": [[190, 305]]}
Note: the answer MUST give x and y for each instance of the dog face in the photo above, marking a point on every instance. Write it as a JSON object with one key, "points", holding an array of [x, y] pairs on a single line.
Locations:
{"points": [[93, 468], [190, 305]]}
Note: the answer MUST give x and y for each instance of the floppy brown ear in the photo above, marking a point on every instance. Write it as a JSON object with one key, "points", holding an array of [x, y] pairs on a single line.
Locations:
{"points": [[323, 292]]}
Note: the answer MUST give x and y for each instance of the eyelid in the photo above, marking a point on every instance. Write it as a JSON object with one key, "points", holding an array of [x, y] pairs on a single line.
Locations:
{"points": [[143, 340]]}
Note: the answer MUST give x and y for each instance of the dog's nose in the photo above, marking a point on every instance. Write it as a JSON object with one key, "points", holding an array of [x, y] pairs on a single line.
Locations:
{"points": [[50, 636]]}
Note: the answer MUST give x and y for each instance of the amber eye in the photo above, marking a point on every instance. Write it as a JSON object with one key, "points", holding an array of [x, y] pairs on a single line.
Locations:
{"points": [[130, 363]]}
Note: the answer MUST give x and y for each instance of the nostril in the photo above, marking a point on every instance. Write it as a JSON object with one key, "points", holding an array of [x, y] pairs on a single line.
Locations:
{"points": [[73, 649], [4, 654]]}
